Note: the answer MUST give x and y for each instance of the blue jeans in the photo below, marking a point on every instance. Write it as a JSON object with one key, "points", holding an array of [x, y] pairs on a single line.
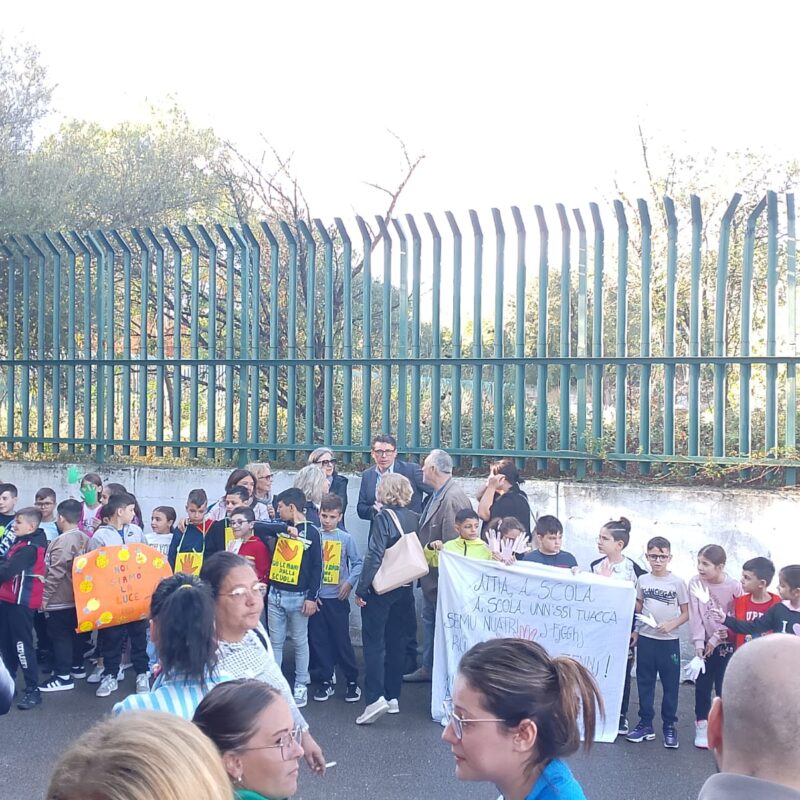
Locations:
{"points": [[285, 615], [428, 631]]}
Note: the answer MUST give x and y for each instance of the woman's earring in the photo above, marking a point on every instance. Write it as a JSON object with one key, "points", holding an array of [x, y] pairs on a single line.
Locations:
{"points": [[237, 780]]}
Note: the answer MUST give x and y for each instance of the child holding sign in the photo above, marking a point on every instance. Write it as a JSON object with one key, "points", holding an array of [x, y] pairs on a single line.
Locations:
{"points": [[294, 582], [329, 630], [189, 540]]}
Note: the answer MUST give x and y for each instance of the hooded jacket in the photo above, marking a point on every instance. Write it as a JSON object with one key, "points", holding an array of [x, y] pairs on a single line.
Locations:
{"points": [[22, 571], [471, 548], [108, 535], [61, 552]]}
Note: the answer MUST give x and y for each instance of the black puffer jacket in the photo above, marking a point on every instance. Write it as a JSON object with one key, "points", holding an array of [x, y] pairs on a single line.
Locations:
{"points": [[383, 534]]}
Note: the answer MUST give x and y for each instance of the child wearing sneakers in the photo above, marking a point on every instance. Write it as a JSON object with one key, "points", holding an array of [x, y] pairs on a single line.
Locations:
{"points": [[710, 588], [21, 583], [59, 601], [662, 605], [329, 629], [294, 584], [613, 538], [757, 574], [118, 531]]}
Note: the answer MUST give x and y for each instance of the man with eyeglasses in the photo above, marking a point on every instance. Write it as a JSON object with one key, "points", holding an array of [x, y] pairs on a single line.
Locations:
{"points": [[384, 453]]}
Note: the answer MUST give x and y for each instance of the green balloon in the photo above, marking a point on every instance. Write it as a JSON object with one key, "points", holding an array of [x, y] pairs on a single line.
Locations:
{"points": [[73, 475], [89, 493]]}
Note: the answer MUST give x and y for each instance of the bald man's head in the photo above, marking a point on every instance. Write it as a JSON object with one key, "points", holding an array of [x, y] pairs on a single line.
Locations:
{"points": [[756, 731]]}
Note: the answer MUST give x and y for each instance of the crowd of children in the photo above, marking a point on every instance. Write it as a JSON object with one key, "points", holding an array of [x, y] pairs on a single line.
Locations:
{"points": [[309, 565]]}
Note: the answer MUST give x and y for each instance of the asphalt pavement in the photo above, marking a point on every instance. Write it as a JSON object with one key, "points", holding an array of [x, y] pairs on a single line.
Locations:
{"points": [[400, 757]]}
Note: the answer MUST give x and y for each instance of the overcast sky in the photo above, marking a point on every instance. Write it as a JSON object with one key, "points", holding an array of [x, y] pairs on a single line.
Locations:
{"points": [[512, 103]]}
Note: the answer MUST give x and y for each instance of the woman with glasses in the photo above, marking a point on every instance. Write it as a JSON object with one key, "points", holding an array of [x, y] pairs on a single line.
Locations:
{"points": [[334, 482], [252, 727], [182, 629], [244, 649], [514, 716], [263, 493]]}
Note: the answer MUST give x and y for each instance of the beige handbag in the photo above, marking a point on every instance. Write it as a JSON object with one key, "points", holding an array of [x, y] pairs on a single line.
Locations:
{"points": [[402, 563]]}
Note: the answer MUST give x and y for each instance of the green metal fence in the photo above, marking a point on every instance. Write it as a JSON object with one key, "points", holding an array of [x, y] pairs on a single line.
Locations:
{"points": [[626, 343]]}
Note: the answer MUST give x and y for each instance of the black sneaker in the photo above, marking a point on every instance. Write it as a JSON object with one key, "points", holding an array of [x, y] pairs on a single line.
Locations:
{"points": [[324, 692], [58, 683], [623, 726], [353, 693], [30, 699], [670, 737]]}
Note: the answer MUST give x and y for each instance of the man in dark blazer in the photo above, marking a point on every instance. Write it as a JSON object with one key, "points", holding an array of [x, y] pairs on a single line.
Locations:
{"points": [[437, 523], [384, 452]]}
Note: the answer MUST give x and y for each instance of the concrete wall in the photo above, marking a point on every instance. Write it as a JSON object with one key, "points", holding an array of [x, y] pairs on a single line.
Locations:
{"points": [[745, 522]]}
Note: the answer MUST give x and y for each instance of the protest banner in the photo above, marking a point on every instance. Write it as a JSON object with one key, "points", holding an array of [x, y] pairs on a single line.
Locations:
{"points": [[585, 616], [113, 585], [331, 561], [286, 560]]}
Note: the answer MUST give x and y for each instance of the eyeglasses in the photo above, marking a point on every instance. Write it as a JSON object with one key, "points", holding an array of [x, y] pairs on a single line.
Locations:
{"points": [[294, 736], [267, 477], [327, 462], [458, 723], [383, 453], [653, 557], [242, 592], [237, 523]]}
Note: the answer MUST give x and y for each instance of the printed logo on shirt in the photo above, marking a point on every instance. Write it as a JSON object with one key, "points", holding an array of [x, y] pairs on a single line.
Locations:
{"points": [[666, 596]]}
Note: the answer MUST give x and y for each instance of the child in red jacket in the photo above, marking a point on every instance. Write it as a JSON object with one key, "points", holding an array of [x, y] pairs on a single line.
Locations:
{"points": [[757, 574]]}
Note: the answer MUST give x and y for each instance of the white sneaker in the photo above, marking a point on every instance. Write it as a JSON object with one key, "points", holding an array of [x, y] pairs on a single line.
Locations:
{"points": [[125, 666], [95, 676], [120, 674], [394, 707], [143, 683], [300, 695], [107, 685], [701, 734], [373, 711]]}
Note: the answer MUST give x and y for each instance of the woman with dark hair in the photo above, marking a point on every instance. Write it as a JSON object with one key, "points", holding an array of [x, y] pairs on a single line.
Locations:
{"points": [[244, 649], [252, 727], [503, 497], [514, 716], [182, 628], [246, 479]]}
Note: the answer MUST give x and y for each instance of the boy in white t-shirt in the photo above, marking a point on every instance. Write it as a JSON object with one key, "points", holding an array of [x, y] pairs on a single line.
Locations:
{"points": [[664, 599]]}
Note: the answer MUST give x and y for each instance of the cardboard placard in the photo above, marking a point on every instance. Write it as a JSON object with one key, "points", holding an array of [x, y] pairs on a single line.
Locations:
{"points": [[113, 585], [331, 562], [286, 561]]}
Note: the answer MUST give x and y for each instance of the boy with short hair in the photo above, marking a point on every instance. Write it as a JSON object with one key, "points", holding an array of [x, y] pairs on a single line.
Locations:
{"points": [[8, 502], [119, 530], [549, 536], [663, 599], [45, 501], [21, 587], [162, 521], [187, 549], [58, 599], [468, 542], [295, 578], [246, 544], [329, 630], [757, 574]]}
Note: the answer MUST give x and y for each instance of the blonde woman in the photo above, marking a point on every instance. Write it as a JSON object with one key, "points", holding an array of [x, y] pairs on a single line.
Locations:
{"points": [[311, 482], [144, 755], [325, 459], [386, 619], [263, 493]]}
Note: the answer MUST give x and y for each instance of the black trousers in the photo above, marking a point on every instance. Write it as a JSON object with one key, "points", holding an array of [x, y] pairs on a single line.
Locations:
{"points": [[384, 632], [658, 658], [68, 646], [110, 641], [626, 692], [16, 643], [44, 645], [329, 640], [712, 678]]}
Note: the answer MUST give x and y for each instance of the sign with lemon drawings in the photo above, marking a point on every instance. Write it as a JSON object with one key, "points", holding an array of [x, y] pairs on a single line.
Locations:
{"points": [[286, 561], [331, 561], [113, 585]]}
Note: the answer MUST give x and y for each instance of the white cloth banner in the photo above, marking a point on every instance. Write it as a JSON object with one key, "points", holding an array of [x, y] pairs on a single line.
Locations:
{"points": [[585, 616]]}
